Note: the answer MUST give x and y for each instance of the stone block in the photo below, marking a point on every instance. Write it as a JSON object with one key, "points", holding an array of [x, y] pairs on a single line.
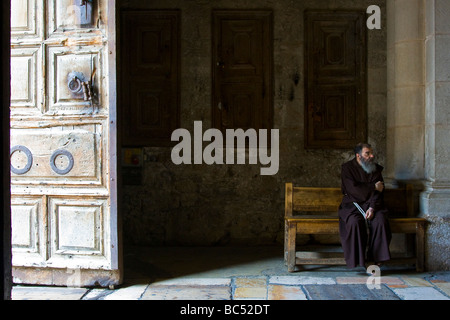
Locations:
{"points": [[300, 280], [187, 293], [409, 63], [348, 292], [47, 293], [409, 20], [419, 293], [254, 293], [280, 292]]}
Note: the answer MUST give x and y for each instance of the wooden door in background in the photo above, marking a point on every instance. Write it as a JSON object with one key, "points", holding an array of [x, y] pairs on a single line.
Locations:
{"points": [[335, 84], [242, 69], [150, 66]]}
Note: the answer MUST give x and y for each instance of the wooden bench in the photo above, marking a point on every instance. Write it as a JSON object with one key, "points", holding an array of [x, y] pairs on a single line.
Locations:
{"points": [[313, 211]]}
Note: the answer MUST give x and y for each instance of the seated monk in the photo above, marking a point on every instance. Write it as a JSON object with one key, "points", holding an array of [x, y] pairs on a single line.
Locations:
{"points": [[363, 186]]}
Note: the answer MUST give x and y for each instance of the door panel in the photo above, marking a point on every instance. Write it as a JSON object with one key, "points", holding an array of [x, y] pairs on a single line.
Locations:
{"points": [[73, 152], [24, 80], [29, 231], [334, 118], [335, 84], [72, 15], [240, 104], [240, 48], [63, 186], [26, 22], [152, 109], [83, 243], [65, 63], [242, 69]]}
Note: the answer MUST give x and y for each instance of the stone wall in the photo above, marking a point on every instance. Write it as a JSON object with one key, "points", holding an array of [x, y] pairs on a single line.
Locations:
{"points": [[234, 204]]}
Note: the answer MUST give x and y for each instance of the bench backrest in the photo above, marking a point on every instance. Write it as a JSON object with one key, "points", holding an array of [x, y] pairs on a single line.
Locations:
{"points": [[310, 200]]}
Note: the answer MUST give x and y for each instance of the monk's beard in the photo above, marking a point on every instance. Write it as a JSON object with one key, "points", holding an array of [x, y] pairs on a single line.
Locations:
{"points": [[368, 165]]}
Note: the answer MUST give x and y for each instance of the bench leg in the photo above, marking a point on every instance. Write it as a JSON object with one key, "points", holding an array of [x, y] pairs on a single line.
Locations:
{"points": [[286, 242], [420, 247], [291, 234]]}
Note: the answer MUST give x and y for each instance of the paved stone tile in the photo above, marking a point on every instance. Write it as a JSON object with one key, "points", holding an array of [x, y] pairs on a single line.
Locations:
{"points": [[250, 282], [397, 286], [419, 293], [46, 293], [444, 287], [351, 280], [194, 282], [254, 293], [183, 292], [133, 292], [416, 282], [300, 280], [363, 280], [250, 288], [281, 292], [348, 292]]}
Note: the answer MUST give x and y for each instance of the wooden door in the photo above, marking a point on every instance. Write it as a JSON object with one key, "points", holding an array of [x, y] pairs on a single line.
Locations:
{"points": [[242, 69], [149, 102], [63, 151], [335, 84]]}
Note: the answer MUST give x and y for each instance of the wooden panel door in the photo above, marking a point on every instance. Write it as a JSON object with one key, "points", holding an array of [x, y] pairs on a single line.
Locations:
{"points": [[242, 69], [149, 101], [335, 84], [63, 151]]}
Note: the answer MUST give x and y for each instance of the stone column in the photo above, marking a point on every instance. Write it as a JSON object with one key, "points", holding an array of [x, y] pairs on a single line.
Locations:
{"points": [[418, 116], [406, 91], [435, 200], [390, 110]]}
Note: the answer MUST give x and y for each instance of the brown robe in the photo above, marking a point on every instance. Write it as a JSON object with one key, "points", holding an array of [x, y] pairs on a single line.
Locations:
{"points": [[358, 186]]}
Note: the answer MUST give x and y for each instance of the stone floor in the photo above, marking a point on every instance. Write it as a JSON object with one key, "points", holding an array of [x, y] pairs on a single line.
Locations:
{"points": [[249, 273]]}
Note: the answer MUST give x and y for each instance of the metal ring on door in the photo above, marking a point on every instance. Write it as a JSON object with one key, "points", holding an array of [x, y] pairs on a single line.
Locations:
{"points": [[74, 82], [61, 152], [27, 152]]}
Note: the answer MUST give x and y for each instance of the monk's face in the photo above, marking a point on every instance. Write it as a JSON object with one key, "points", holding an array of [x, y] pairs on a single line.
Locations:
{"points": [[367, 160], [366, 155]]}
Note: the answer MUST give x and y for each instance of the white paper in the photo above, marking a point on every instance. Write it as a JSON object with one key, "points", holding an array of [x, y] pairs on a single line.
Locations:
{"points": [[360, 209]]}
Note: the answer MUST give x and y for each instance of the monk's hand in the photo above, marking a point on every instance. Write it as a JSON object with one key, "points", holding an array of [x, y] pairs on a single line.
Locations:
{"points": [[370, 213], [379, 186]]}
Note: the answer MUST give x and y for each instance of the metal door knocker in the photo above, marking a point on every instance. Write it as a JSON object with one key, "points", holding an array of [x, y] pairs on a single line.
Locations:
{"points": [[74, 81], [79, 85]]}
